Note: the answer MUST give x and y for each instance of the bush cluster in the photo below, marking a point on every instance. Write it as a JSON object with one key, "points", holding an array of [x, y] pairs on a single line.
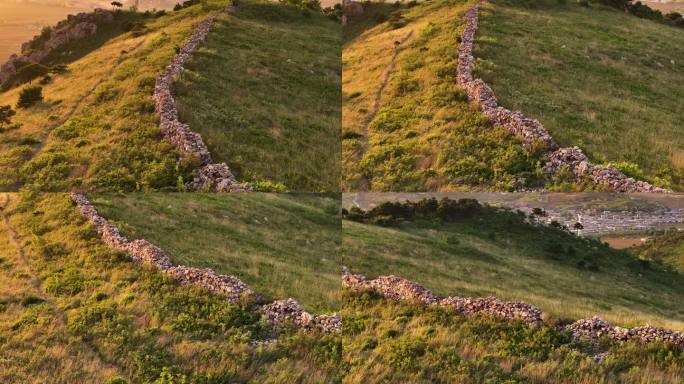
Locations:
{"points": [[643, 11], [393, 213]]}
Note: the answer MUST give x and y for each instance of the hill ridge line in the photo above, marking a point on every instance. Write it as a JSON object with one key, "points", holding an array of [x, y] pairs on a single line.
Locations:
{"points": [[215, 177], [399, 289], [143, 252], [532, 131]]}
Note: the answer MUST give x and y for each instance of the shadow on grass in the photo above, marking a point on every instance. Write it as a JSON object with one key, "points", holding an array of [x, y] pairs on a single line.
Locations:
{"points": [[374, 13]]}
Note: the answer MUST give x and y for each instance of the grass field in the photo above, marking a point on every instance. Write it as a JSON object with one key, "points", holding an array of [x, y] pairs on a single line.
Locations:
{"points": [[280, 245], [96, 128], [264, 92], [497, 254], [406, 124], [595, 77], [72, 311], [389, 342], [666, 247]]}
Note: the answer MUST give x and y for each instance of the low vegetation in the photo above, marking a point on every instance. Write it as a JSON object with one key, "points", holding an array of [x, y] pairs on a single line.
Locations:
{"points": [[595, 76], [463, 248], [664, 246], [281, 245], [386, 341], [264, 93], [73, 311], [407, 126]]}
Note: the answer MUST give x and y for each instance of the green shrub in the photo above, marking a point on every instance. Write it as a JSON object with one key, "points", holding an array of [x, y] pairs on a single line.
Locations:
{"points": [[29, 96]]}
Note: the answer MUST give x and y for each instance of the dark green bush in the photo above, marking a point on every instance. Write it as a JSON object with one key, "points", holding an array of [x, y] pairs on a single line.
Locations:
{"points": [[30, 96]]}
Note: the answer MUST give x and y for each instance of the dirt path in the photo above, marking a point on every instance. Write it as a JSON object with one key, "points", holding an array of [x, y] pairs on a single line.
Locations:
{"points": [[398, 47], [37, 283], [82, 98]]}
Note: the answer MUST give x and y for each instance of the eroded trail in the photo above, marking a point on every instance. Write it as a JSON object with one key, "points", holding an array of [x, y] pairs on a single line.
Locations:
{"points": [[22, 266], [365, 184]]}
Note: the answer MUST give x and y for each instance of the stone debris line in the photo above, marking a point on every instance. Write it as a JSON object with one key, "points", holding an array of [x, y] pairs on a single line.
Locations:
{"points": [[531, 131], [210, 176], [74, 27], [398, 289], [144, 252]]}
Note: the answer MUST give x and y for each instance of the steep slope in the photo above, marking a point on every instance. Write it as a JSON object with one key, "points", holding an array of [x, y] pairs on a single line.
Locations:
{"points": [[74, 311], [264, 93], [389, 341], [280, 245], [96, 127], [667, 247], [495, 252], [407, 126], [596, 77]]}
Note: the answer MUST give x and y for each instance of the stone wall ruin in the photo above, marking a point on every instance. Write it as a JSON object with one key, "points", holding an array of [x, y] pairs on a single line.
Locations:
{"points": [[233, 289], [398, 289], [531, 131], [210, 176]]}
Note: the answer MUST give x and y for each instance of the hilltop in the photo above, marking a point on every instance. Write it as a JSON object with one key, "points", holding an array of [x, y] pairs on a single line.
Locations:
{"points": [[97, 125], [414, 129]]}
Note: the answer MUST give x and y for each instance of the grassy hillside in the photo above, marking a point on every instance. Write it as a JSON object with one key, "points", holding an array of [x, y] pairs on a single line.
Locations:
{"points": [[385, 341], [96, 127], [264, 92], [666, 247], [595, 77], [406, 124], [280, 245], [73, 311], [496, 253]]}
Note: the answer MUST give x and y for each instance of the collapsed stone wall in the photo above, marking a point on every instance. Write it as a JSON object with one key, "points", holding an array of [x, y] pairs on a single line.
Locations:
{"points": [[210, 176], [233, 289], [398, 289], [531, 131], [74, 27]]}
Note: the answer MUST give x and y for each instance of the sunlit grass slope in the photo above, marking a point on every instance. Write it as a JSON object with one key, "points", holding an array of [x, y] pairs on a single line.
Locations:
{"points": [[280, 245], [264, 92], [596, 77], [110, 139], [407, 126], [667, 247], [389, 342], [72, 311], [497, 254]]}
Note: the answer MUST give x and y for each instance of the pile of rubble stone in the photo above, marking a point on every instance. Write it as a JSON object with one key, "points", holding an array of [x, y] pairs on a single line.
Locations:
{"points": [[210, 176], [398, 289], [289, 311], [75, 27], [531, 131], [595, 328], [232, 288]]}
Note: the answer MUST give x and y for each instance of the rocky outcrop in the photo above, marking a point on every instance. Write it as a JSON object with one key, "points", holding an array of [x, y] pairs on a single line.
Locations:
{"points": [[398, 289], [350, 9], [209, 176], [75, 27], [230, 287], [531, 131]]}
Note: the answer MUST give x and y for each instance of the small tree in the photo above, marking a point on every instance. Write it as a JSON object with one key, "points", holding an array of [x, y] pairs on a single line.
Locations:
{"points": [[6, 113], [116, 5], [578, 227], [30, 96]]}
